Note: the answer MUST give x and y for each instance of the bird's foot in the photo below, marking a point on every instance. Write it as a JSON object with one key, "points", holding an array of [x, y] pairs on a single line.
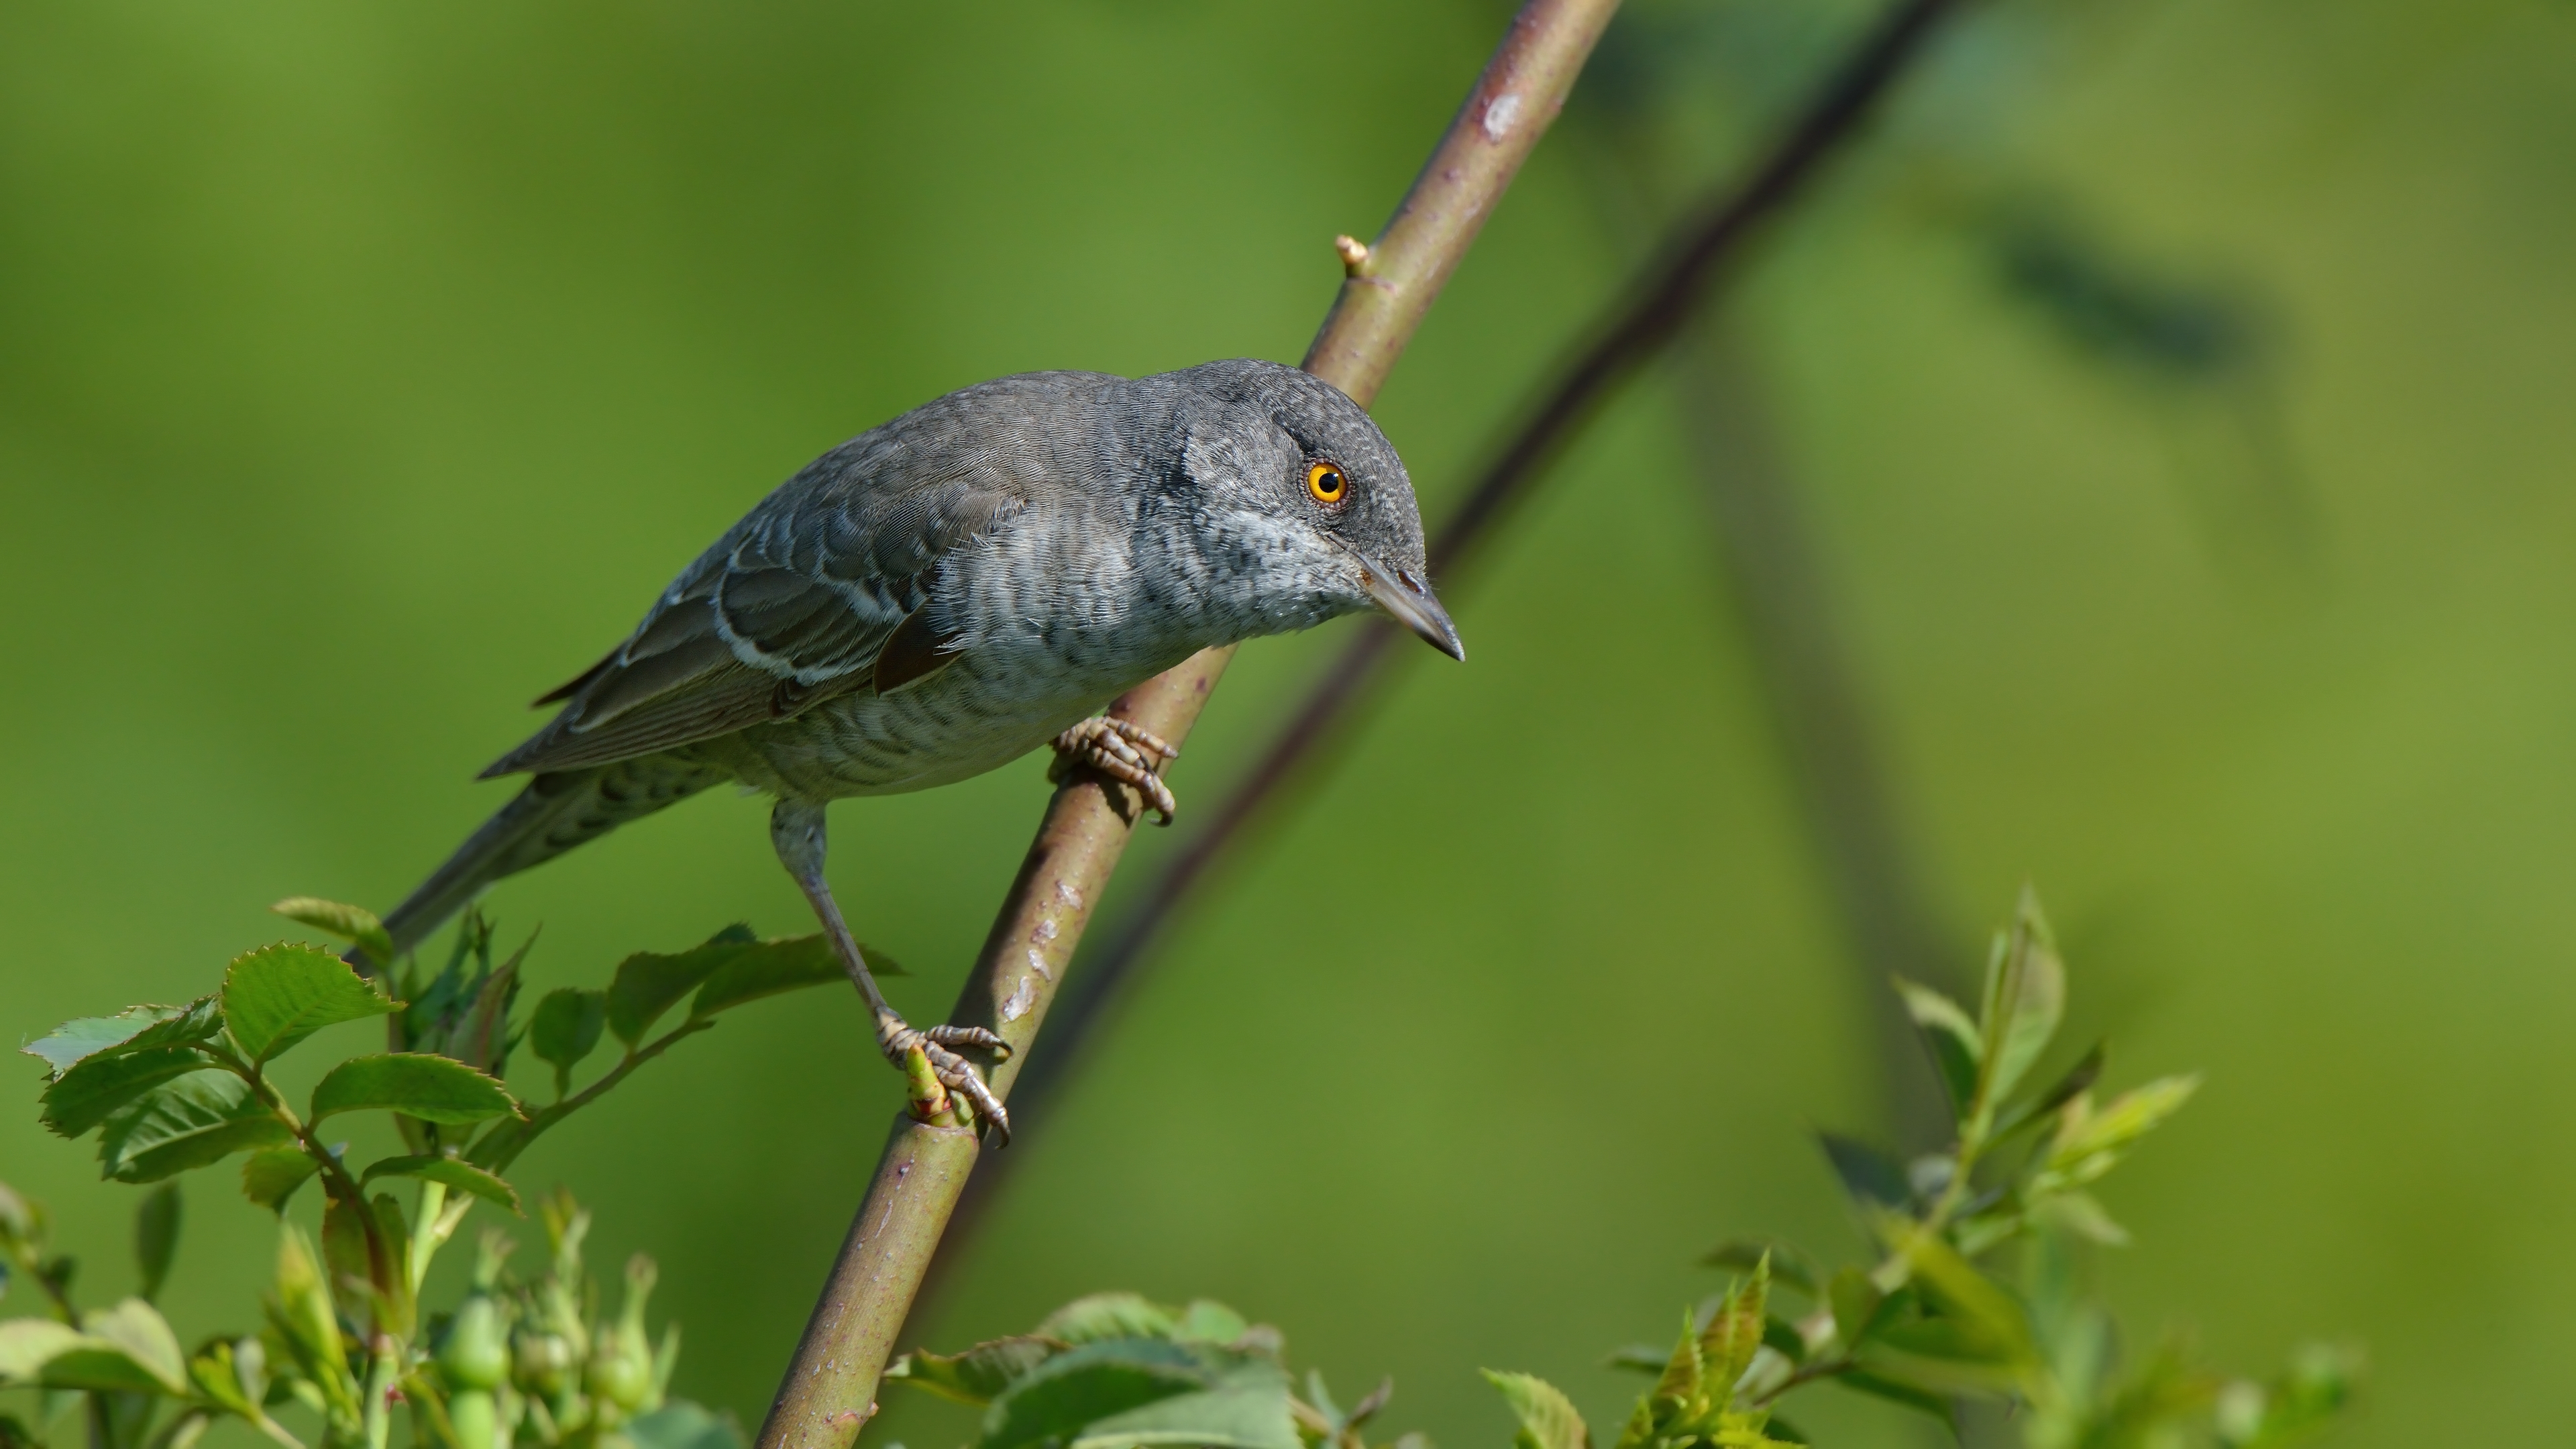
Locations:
{"points": [[1129, 754], [954, 1072]]}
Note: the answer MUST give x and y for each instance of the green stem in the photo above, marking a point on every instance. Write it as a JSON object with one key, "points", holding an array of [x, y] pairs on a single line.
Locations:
{"points": [[502, 1145], [829, 1389], [383, 1364]]}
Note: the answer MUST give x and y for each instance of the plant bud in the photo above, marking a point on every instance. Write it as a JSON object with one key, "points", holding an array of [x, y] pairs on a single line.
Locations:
{"points": [[543, 1364], [476, 1354]]}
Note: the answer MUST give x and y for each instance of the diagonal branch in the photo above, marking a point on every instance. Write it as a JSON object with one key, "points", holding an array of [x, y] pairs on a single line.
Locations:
{"points": [[1635, 330], [829, 1388]]}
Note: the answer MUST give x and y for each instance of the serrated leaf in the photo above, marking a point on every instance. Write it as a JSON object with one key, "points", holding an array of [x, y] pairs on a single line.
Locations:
{"points": [[980, 1374], [1548, 1419], [772, 967], [271, 1176], [1734, 1332], [415, 1084], [454, 1172], [132, 1029], [1958, 1049], [1108, 1315], [95, 1087], [354, 924], [156, 1237], [278, 995], [183, 1123], [566, 1028], [2024, 1000], [647, 983]]}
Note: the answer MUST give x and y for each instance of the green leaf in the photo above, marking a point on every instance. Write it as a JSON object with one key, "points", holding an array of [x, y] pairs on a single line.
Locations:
{"points": [[132, 1029], [1734, 1332], [2086, 1071], [1989, 1322], [300, 1309], [454, 1172], [980, 1374], [2089, 1141], [1870, 1176], [646, 984], [416, 1084], [773, 967], [271, 1175], [28, 1344], [1857, 1305], [1788, 1265], [138, 1330], [1207, 1321], [1547, 1417], [1108, 1315], [1958, 1049], [355, 924], [1132, 1391], [1896, 1392], [183, 1123], [566, 1029], [680, 1424], [156, 1237], [2025, 999], [278, 995], [91, 1091]]}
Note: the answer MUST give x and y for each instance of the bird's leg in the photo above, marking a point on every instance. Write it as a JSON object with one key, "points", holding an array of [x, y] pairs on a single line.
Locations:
{"points": [[1129, 754], [796, 828]]}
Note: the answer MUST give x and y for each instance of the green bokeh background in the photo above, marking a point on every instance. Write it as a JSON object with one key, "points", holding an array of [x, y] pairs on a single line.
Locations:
{"points": [[365, 369]]}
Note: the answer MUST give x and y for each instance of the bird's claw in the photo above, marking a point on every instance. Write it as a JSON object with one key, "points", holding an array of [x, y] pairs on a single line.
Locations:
{"points": [[953, 1071], [1127, 753]]}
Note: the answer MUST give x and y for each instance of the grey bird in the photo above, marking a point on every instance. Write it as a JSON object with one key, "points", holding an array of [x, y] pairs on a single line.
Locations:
{"points": [[944, 593]]}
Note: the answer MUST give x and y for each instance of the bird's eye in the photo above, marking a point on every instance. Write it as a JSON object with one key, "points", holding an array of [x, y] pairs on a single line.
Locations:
{"points": [[1326, 483]]}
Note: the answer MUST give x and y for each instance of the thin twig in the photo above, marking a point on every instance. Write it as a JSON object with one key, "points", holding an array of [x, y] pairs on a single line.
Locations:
{"points": [[829, 1388], [1650, 313]]}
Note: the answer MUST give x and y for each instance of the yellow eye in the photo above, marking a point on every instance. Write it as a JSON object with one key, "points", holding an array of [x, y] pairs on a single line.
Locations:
{"points": [[1326, 482]]}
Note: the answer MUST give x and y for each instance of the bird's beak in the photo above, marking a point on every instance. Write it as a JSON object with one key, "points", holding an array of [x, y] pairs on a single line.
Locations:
{"points": [[1410, 602]]}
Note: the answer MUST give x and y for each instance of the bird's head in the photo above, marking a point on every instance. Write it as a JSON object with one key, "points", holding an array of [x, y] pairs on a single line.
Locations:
{"points": [[1311, 497]]}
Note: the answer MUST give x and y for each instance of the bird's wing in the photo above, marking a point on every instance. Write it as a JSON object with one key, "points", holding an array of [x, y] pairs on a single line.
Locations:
{"points": [[790, 608]]}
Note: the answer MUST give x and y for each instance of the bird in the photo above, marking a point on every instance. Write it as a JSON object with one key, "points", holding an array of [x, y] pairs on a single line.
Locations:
{"points": [[951, 590]]}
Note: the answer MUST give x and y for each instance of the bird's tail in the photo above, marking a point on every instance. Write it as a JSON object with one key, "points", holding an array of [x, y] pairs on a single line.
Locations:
{"points": [[559, 810]]}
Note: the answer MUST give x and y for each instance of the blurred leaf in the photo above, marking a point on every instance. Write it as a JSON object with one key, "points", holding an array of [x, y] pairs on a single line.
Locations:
{"points": [[646, 984], [1782, 1337], [1642, 1358], [133, 1029], [1857, 1303], [431, 1088], [2025, 998], [1108, 1315], [2086, 1071], [1867, 1174], [2082, 1214], [1208, 1321], [2089, 1141], [392, 1232], [454, 1172], [28, 1344], [1957, 1048], [772, 967], [271, 1175], [2293, 1408], [2150, 1403], [137, 1330], [299, 1308], [1788, 1265], [1130, 1391], [566, 1029], [183, 1123], [1548, 1419], [680, 1424], [980, 1374], [354, 924], [1879, 1386], [1990, 1323], [91, 1091], [278, 995], [156, 1237], [345, 1258]]}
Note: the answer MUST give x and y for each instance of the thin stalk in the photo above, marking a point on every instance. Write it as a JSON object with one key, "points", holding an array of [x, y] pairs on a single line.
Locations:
{"points": [[1648, 315], [829, 1389]]}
